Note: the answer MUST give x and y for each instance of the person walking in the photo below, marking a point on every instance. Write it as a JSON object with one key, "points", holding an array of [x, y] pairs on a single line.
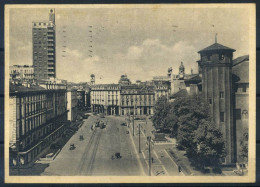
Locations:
{"points": [[179, 168]]}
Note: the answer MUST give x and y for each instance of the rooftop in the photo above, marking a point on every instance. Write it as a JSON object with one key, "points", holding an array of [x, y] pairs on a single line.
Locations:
{"points": [[20, 88], [240, 60], [241, 69], [216, 46]]}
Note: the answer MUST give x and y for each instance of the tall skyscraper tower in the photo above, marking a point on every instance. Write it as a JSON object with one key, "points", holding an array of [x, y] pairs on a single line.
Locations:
{"points": [[44, 45], [215, 66]]}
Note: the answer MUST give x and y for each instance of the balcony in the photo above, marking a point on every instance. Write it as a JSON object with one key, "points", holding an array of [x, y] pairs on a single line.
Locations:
{"points": [[50, 49], [51, 64]]}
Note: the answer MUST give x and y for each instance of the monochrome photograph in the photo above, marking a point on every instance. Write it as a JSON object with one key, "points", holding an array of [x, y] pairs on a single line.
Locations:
{"points": [[130, 93]]}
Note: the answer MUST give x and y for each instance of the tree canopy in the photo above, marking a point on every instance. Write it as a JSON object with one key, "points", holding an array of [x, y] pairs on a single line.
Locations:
{"points": [[189, 120]]}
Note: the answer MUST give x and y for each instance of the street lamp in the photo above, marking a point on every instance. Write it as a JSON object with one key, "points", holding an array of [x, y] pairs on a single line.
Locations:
{"points": [[134, 122], [149, 145], [139, 140]]}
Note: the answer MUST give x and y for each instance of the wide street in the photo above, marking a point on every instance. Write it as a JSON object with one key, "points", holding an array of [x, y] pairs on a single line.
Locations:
{"points": [[93, 155]]}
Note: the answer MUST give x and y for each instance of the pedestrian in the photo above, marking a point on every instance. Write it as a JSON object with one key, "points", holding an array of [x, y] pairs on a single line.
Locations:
{"points": [[152, 159], [179, 168]]}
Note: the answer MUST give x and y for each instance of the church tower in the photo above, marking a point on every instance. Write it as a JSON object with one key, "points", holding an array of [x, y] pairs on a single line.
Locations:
{"points": [[92, 79], [52, 15], [181, 71], [215, 66]]}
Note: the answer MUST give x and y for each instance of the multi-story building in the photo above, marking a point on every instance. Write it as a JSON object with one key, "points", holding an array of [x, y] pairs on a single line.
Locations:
{"points": [[37, 118], [215, 65], [105, 98], [24, 72], [240, 72], [137, 100], [184, 81], [161, 88], [44, 46], [72, 105]]}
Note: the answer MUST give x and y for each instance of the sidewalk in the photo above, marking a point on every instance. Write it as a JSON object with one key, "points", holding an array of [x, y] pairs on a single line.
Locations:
{"points": [[162, 164]]}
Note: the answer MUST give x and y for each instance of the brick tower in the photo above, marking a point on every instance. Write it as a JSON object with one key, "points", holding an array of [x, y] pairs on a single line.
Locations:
{"points": [[215, 65]]}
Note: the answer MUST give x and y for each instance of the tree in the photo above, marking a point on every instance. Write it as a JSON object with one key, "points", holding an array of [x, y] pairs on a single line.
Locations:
{"points": [[161, 109], [209, 146], [189, 111], [243, 157]]}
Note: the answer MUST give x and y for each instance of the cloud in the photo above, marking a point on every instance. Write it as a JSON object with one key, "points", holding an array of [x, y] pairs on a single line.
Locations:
{"points": [[139, 62], [134, 52], [152, 56]]}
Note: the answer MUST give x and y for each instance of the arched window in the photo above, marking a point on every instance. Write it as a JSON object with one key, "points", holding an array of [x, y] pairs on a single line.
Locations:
{"points": [[244, 114]]}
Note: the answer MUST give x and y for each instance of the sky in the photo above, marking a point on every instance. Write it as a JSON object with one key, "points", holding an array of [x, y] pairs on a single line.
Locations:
{"points": [[138, 42]]}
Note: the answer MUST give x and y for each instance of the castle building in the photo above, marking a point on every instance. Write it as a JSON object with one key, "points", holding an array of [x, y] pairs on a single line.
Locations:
{"points": [[240, 72], [44, 47], [215, 65]]}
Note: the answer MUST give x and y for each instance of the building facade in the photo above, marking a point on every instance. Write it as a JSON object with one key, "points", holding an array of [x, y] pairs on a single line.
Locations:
{"points": [[105, 98], [24, 72], [240, 72], [72, 105], [137, 100], [44, 47], [161, 88], [37, 118], [215, 65]]}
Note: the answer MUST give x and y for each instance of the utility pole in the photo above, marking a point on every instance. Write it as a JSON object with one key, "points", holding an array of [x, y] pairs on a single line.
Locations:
{"points": [[139, 140], [134, 122], [149, 144]]}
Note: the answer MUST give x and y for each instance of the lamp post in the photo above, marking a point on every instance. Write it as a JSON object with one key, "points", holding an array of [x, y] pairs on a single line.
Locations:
{"points": [[139, 140], [149, 149], [134, 122]]}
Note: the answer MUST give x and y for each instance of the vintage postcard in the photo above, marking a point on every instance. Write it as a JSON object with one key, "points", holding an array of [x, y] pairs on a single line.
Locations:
{"points": [[130, 93]]}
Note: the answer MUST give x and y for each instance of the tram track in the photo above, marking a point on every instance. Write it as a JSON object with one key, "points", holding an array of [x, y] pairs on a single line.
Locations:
{"points": [[93, 156], [84, 156], [88, 158]]}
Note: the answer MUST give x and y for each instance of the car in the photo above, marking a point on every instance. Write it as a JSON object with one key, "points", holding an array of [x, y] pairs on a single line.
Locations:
{"points": [[117, 155], [123, 124]]}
